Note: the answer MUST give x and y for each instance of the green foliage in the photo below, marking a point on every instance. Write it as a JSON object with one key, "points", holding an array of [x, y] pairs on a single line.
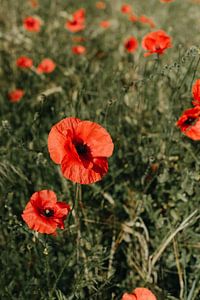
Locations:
{"points": [[111, 243]]}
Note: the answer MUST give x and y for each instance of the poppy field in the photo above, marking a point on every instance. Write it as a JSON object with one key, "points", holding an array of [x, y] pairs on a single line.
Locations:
{"points": [[100, 150]]}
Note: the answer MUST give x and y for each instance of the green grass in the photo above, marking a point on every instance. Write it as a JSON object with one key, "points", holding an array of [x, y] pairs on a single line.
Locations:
{"points": [[126, 234]]}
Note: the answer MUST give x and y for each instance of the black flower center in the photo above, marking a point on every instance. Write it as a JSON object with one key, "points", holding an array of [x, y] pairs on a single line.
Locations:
{"points": [[189, 121], [81, 149], [48, 212]]}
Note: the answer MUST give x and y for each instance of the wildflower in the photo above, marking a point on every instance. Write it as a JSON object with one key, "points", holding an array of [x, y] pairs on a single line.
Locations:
{"points": [[78, 49], [78, 21], [34, 3], [32, 24], [131, 44], [166, 1], [100, 5], [139, 294], [144, 19], [196, 92], [133, 18], [156, 42], [47, 65], [189, 123], [16, 95], [24, 62], [126, 9], [44, 214], [81, 148], [105, 24]]}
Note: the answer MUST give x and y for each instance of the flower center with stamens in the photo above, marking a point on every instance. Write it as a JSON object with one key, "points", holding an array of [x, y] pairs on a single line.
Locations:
{"points": [[189, 121], [81, 149], [48, 212]]}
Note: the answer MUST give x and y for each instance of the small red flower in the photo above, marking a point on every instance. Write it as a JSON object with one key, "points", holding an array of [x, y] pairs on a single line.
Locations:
{"points": [[196, 92], [78, 49], [131, 44], [189, 123], [126, 9], [156, 42], [34, 3], [82, 148], [47, 65], [100, 5], [105, 24], [144, 19], [32, 24], [166, 1], [133, 18], [139, 294], [16, 95], [44, 214], [24, 62], [78, 21]]}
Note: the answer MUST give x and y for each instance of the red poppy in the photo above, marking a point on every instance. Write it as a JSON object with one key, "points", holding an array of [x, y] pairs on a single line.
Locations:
{"points": [[16, 95], [82, 149], [105, 24], [34, 3], [166, 1], [131, 44], [32, 24], [144, 19], [156, 42], [47, 65], [196, 92], [139, 294], [44, 214], [133, 18], [24, 62], [100, 5], [78, 49], [189, 123], [126, 9], [78, 21]]}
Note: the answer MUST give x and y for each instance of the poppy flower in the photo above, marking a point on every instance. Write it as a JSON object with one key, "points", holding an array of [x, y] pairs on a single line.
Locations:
{"points": [[105, 24], [196, 92], [24, 62], [44, 214], [144, 19], [100, 5], [189, 123], [156, 42], [131, 44], [133, 18], [16, 95], [166, 1], [32, 24], [47, 65], [78, 21], [34, 3], [78, 49], [126, 9], [139, 294], [81, 148]]}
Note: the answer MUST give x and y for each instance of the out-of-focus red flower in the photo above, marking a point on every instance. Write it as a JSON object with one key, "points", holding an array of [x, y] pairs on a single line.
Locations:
{"points": [[16, 95], [133, 18], [34, 3], [44, 214], [156, 42], [144, 19], [78, 21], [126, 9], [131, 44], [189, 123], [139, 294], [24, 62], [32, 24], [81, 148], [79, 49], [196, 92], [100, 5], [166, 1], [47, 65], [105, 24]]}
